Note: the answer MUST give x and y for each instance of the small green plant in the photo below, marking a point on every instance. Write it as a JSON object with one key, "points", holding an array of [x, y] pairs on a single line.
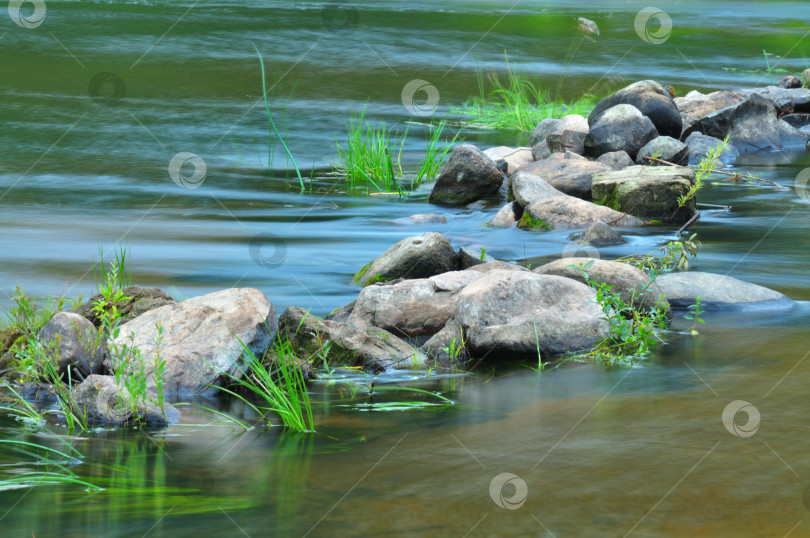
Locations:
{"points": [[707, 165], [159, 369], [673, 255], [75, 416], [483, 255], [694, 313], [117, 269], [435, 153], [456, 347]]}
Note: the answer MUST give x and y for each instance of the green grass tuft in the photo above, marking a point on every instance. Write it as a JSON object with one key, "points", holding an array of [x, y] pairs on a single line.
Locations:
{"points": [[527, 222]]}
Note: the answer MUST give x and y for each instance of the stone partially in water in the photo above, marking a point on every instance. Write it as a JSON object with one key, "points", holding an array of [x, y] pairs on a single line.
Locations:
{"points": [[76, 344], [652, 99], [717, 292], [569, 176], [467, 175], [413, 257], [107, 404], [620, 128]]}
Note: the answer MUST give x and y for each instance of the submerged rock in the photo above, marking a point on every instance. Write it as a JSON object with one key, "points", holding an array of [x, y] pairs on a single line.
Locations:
{"points": [[650, 192], [203, 338], [717, 292], [652, 99], [600, 234], [467, 175], [620, 128], [75, 343], [413, 257], [569, 176], [107, 404]]}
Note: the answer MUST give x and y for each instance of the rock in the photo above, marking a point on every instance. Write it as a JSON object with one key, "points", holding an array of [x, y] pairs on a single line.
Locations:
{"points": [[140, 300], [650, 192], [540, 151], [787, 101], [76, 343], [600, 234], [790, 82], [617, 160], [543, 129], [621, 128], [413, 257], [751, 125], [569, 135], [507, 217], [666, 148], [412, 307], [717, 292], [587, 27], [652, 99], [422, 218], [468, 257], [806, 78], [341, 314], [567, 212], [514, 157], [107, 404], [467, 175], [510, 314], [631, 283], [203, 337], [526, 188], [497, 265], [695, 107], [374, 349], [700, 145], [572, 155], [569, 176], [798, 121]]}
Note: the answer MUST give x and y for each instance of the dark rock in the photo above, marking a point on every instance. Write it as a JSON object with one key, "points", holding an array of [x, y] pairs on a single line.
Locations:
{"points": [[797, 120], [569, 135], [600, 234], [717, 292], [650, 192], [696, 106], [787, 101], [468, 257], [700, 145], [569, 176], [413, 257], [107, 404], [140, 300], [666, 148], [617, 160], [540, 151], [543, 129], [652, 99], [621, 128], [75, 343], [467, 175], [507, 217], [790, 82]]}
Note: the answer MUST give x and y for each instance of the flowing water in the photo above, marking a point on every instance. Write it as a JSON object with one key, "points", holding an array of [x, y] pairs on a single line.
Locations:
{"points": [[98, 99]]}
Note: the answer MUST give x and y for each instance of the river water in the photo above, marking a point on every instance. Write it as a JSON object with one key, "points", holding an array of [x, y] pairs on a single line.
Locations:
{"points": [[99, 97]]}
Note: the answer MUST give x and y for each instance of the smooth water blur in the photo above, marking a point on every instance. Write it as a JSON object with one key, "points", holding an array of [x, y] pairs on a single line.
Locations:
{"points": [[602, 452]]}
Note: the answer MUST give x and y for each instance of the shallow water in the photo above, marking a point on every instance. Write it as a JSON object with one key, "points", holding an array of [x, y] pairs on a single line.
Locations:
{"points": [[602, 452]]}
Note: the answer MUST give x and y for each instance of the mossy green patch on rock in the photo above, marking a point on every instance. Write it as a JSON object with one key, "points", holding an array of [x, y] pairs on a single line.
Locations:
{"points": [[359, 275], [377, 278], [527, 222]]}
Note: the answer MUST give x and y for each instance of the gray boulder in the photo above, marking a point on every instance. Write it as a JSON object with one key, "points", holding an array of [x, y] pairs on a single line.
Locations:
{"points": [[202, 340], [413, 257], [512, 314], [467, 175], [540, 151], [752, 125], [569, 135], [666, 148], [587, 27], [717, 292], [786, 101], [790, 82], [107, 404], [621, 128], [140, 300], [527, 188], [543, 129], [600, 234], [650, 192], [630, 282], [76, 344], [374, 349], [507, 216], [567, 212], [617, 160], [700, 145], [652, 99], [569, 176], [513, 157], [696, 106]]}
